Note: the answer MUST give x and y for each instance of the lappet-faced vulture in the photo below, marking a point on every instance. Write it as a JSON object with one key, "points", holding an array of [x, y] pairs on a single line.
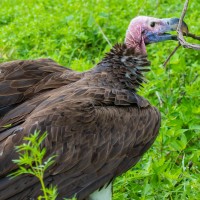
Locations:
{"points": [[97, 124]]}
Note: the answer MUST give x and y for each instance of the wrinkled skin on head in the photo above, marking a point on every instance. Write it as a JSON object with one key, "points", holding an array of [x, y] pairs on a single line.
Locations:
{"points": [[145, 30]]}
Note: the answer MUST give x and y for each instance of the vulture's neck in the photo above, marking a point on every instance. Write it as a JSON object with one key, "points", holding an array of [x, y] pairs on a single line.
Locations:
{"points": [[122, 68]]}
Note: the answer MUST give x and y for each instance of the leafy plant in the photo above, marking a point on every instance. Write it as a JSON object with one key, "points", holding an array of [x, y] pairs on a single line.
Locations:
{"points": [[31, 161]]}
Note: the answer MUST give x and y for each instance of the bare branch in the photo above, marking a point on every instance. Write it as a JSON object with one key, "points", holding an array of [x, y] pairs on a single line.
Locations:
{"points": [[196, 37], [180, 34], [172, 53]]}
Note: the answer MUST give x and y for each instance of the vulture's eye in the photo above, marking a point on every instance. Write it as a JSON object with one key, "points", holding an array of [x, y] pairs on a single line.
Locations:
{"points": [[152, 24]]}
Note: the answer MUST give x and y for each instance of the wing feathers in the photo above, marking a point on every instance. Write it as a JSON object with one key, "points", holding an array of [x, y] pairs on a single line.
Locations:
{"points": [[19, 76], [97, 128]]}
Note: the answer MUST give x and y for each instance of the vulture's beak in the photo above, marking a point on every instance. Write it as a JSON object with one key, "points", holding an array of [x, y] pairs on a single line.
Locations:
{"points": [[164, 26]]}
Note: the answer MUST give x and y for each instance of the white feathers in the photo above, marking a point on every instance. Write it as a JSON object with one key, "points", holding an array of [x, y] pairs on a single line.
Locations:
{"points": [[104, 194]]}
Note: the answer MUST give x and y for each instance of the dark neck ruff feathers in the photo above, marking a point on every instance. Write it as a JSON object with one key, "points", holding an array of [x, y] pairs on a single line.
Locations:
{"points": [[125, 65]]}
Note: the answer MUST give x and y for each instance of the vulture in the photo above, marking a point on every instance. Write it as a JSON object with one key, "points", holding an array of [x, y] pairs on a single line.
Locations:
{"points": [[98, 126]]}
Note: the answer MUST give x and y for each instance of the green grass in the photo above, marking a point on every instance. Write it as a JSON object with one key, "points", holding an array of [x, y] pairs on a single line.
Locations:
{"points": [[72, 33]]}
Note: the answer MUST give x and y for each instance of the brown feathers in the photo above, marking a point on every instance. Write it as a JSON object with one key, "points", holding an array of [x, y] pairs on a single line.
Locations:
{"points": [[97, 125]]}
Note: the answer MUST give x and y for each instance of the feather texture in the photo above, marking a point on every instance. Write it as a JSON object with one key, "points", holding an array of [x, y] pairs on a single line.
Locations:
{"points": [[98, 126]]}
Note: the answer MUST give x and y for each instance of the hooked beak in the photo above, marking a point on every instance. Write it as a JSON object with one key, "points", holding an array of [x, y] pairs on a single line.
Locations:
{"points": [[161, 34]]}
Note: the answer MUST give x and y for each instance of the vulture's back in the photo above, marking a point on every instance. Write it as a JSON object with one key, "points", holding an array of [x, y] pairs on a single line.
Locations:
{"points": [[97, 126]]}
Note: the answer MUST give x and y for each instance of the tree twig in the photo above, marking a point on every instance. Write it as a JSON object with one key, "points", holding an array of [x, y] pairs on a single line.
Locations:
{"points": [[180, 34], [196, 37], [171, 54]]}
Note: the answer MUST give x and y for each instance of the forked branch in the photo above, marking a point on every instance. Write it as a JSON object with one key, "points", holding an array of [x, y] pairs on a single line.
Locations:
{"points": [[180, 36]]}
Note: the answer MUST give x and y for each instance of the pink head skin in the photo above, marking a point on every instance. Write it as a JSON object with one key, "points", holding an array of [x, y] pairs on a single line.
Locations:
{"points": [[134, 36], [144, 30]]}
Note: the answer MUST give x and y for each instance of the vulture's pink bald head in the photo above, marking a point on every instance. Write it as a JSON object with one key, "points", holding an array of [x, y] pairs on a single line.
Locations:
{"points": [[144, 30]]}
